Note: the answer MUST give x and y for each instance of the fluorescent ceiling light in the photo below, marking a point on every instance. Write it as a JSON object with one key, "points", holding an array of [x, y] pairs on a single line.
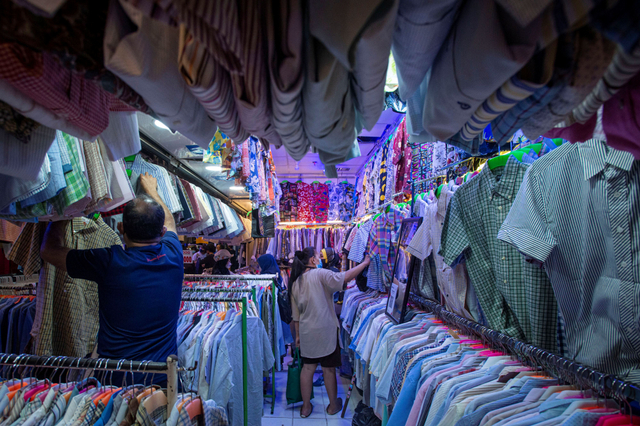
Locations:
{"points": [[214, 168], [292, 223], [236, 188], [334, 221], [161, 124]]}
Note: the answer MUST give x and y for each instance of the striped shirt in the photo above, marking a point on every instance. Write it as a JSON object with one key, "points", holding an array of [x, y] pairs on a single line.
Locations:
{"points": [[577, 212], [165, 189], [622, 69]]}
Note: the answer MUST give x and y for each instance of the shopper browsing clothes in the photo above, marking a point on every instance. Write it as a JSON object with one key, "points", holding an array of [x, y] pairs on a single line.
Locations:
{"points": [[316, 323], [198, 256], [139, 286]]}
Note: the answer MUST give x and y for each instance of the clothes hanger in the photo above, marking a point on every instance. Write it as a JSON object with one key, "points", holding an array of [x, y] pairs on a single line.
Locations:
{"points": [[536, 147], [501, 160], [439, 190], [284, 181]]}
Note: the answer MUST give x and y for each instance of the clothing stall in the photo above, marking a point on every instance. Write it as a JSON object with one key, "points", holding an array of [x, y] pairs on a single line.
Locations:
{"points": [[480, 157]]}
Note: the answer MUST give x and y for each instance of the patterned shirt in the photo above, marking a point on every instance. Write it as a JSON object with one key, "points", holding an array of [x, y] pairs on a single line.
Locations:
{"points": [[77, 183], [214, 415], [306, 203], [165, 189], [320, 202], [506, 285], [579, 203], [66, 321], [383, 237]]}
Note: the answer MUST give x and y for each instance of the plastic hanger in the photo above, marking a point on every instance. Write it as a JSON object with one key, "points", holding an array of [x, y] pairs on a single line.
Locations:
{"points": [[536, 147], [194, 408], [439, 190], [557, 141], [618, 420], [501, 160], [284, 181]]}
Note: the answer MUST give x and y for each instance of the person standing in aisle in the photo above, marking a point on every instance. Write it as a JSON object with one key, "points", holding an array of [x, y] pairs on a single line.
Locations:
{"points": [[208, 261], [139, 286], [316, 323], [197, 257]]}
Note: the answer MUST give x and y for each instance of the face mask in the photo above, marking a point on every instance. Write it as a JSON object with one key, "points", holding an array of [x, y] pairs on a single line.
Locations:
{"points": [[319, 266], [228, 265]]}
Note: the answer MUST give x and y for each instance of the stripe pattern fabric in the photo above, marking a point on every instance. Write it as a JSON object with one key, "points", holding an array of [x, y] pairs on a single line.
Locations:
{"points": [[576, 213]]}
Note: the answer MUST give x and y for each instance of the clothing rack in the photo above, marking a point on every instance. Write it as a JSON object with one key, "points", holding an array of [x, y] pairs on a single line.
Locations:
{"points": [[221, 290], [272, 278], [245, 355], [381, 206], [560, 367], [170, 368]]}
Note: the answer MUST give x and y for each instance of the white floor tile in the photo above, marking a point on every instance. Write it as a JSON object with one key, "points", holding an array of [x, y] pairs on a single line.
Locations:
{"points": [[309, 422], [274, 421], [280, 410], [331, 421]]}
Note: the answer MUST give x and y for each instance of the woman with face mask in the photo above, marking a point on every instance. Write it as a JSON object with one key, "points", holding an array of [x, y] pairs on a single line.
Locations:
{"points": [[316, 324]]}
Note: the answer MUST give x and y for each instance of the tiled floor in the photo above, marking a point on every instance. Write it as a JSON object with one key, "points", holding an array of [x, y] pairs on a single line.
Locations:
{"points": [[289, 415]]}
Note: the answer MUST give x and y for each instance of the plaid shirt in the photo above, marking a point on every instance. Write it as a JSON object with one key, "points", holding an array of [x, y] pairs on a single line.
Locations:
{"points": [[157, 417], [66, 320], [97, 176], [402, 365], [214, 415], [77, 183], [516, 296], [41, 77], [382, 238]]}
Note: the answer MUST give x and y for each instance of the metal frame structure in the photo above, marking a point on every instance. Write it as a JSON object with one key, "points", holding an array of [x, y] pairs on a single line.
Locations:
{"points": [[272, 278], [558, 366], [170, 368]]}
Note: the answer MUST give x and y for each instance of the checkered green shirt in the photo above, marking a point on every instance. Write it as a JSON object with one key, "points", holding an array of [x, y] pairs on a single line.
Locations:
{"points": [[516, 296], [77, 183]]}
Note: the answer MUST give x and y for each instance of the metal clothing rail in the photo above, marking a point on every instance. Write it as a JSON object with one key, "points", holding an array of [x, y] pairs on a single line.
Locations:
{"points": [[170, 368], [245, 355], [251, 290], [560, 367], [274, 342], [382, 206]]}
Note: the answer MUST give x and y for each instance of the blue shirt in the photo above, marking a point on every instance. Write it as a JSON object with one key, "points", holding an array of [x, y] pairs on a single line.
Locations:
{"points": [[139, 291]]}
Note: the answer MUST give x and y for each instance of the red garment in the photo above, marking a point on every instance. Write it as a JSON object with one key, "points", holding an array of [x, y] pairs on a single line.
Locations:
{"points": [[65, 93], [620, 121], [306, 203], [321, 202]]}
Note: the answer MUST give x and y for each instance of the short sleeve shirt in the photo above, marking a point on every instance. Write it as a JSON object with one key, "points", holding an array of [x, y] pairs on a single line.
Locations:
{"points": [[312, 306], [306, 203], [516, 296], [139, 292], [577, 214]]}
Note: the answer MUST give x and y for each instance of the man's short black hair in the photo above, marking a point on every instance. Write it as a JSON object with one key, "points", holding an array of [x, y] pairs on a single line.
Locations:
{"points": [[211, 248], [143, 219]]}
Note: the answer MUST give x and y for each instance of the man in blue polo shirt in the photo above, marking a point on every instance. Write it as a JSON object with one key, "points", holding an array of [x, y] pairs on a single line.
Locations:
{"points": [[139, 287]]}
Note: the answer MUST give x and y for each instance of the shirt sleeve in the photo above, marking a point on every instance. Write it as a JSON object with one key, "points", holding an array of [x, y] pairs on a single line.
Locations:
{"points": [[89, 265], [454, 240], [526, 226], [333, 281], [420, 244]]}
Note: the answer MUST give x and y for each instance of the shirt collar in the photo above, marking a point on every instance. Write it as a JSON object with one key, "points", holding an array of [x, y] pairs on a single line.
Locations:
{"points": [[595, 155], [506, 186]]}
